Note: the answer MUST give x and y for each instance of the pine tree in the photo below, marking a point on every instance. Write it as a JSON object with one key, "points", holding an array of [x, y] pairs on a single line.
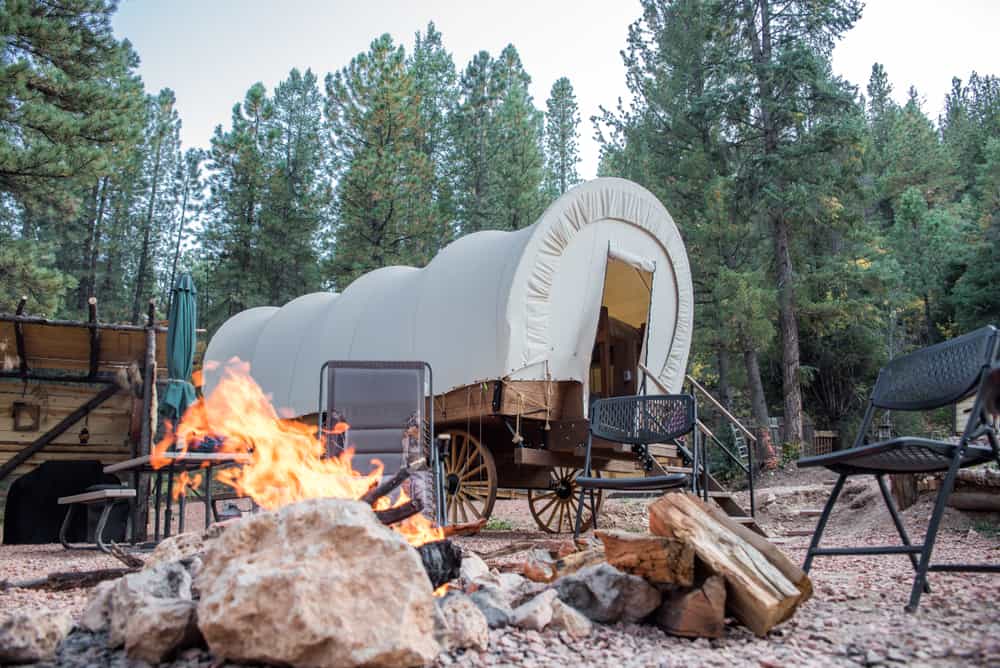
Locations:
{"points": [[518, 198], [232, 224], [383, 204], [562, 133], [190, 187], [162, 156], [436, 84], [297, 190], [475, 145], [63, 108]]}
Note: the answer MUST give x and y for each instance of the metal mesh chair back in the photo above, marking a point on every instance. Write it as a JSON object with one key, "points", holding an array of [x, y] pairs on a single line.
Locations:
{"points": [[642, 420], [938, 375], [382, 402]]}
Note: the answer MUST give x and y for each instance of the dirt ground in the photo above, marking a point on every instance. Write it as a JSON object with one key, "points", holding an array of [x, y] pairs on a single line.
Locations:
{"points": [[855, 618]]}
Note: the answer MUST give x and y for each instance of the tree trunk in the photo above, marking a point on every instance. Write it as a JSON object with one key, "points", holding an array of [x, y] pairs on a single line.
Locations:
{"points": [[95, 246], [177, 247], [140, 284], [789, 327], [765, 455], [83, 290], [725, 390]]}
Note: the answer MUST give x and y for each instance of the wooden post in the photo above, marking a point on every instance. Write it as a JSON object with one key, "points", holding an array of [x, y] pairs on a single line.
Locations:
{"points": [[22, 354], [904, 489], [141, 482]]}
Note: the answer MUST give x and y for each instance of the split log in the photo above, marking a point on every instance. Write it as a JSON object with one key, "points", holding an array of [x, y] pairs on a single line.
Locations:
{"points": [[780, 560], [387, 486], [442, 560], [67, 580], [540, 566], [398, 513], [659, 560], [760, 594], [695, 613]]}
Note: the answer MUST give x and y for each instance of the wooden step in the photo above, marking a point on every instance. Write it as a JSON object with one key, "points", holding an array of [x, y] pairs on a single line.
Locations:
{"points": [[810, 512], [719, 494], [798, 532]]}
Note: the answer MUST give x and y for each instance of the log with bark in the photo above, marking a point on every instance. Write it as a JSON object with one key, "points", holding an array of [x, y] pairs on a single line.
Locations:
{"points": [[386, 487], [763, 586], [442, 560], [398, 513], [698, 612], [659, 560]]}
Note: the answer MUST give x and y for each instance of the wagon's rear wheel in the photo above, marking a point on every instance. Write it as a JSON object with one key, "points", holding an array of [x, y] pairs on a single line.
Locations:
{"points": [[470, 478], [554, 509]]}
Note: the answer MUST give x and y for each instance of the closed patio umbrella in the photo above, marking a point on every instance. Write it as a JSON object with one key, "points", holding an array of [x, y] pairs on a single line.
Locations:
{"points": [[180, 349]]}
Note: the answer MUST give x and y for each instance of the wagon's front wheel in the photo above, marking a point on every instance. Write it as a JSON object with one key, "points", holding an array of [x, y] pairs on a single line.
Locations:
{"points": [[554, 509], [470, 479]]}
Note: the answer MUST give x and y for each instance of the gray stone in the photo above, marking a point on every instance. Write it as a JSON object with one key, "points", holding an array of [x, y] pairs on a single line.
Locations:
{"points": [[493, 604], [473, 567], [460, 624], [605, 594], [32, 635], [320, 583], [536, 613]]}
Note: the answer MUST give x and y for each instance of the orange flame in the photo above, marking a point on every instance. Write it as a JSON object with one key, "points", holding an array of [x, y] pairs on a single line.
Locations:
{"points": [[287, 459]]}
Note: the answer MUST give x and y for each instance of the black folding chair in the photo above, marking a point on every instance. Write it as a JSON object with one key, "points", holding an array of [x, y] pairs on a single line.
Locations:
{"points": [[385, 404], [637, 421], [929, 378]]}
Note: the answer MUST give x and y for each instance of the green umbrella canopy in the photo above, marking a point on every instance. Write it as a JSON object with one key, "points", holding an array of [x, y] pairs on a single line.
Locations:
{"points": [[180, 348]]}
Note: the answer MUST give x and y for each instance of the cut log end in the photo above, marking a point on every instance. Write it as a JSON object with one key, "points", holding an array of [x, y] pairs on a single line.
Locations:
{"points": [[698, 612], [659, 560]]}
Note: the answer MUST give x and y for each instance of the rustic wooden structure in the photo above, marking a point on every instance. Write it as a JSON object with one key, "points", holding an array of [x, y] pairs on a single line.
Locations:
{"points": [[77, 390]]}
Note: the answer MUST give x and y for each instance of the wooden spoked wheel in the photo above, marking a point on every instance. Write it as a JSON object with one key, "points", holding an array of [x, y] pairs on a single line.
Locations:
{"points": [[554, 509], [470, 479]]}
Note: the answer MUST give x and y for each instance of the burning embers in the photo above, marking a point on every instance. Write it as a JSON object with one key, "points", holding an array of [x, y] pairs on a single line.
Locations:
{"points": [[288, 461]]}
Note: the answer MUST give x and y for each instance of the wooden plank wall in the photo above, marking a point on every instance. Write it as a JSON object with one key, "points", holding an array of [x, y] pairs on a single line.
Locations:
{"points": [[109, 424]]}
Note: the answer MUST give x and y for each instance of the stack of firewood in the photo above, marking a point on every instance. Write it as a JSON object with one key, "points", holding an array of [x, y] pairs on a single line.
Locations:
{"points": [[706, 565]]}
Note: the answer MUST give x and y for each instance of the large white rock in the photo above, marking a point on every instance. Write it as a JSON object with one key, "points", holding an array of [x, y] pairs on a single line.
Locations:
{"points": [[319, 583], [460, 624], [150, 588], [32, 635]]}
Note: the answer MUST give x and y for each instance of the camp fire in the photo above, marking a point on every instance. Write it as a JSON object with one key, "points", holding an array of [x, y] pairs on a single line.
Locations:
{"points": [[287, 458]]}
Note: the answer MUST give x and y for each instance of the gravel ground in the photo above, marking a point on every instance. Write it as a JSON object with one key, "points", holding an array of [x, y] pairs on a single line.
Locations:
{"points": [[855, 617]]}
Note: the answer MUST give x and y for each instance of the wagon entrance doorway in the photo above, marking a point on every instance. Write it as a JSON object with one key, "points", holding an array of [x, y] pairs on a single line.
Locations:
{"points": [[621, 329]]}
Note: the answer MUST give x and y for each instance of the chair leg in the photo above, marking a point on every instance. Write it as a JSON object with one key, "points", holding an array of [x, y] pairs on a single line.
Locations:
{"points": [[101, 523], [821, 525], [932, 529], [897, 520], [579, 514]]}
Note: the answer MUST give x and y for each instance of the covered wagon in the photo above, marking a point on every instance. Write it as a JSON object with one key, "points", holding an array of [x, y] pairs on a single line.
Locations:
{"points": [[522, 329]]}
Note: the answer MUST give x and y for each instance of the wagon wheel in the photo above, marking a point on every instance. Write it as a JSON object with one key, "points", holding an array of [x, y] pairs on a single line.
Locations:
{"points": [[554, 509], [470, 479]]}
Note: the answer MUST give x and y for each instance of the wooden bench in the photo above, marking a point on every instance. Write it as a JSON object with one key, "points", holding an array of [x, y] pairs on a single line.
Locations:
{"points": [[108, 496]]}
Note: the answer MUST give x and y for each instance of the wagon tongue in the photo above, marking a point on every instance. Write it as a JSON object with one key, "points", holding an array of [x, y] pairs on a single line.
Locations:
{"points": [[287, 459]]}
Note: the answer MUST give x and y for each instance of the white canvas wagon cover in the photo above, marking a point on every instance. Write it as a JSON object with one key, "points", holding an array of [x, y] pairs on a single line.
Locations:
{"points": [[520, 305]]}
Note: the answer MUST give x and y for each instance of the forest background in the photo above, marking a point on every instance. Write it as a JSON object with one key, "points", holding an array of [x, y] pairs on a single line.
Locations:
{"points": [[829, 228]]}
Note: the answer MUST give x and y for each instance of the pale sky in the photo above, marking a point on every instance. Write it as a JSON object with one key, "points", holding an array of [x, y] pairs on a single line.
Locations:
{"points": [[211, 52]]}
